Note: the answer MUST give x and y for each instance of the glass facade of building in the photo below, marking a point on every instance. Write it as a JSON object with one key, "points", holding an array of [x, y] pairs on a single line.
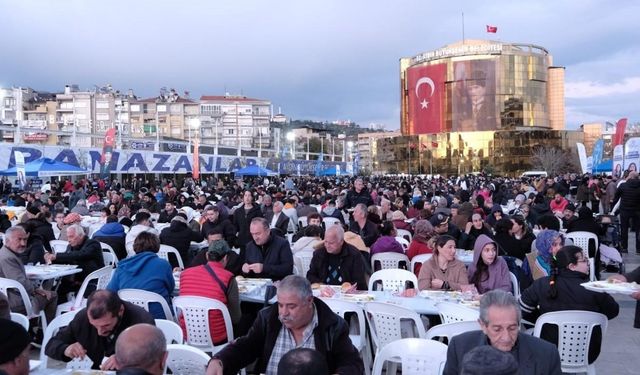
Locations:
{"points": [[505, 152], [476, 85]]}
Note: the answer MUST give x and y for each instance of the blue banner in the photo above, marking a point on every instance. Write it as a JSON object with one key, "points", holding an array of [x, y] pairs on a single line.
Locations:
{"points": [[134, 161], [598, 150]]}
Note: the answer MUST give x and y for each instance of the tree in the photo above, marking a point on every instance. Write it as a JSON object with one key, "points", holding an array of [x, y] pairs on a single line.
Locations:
{"points": [[553, 160]]}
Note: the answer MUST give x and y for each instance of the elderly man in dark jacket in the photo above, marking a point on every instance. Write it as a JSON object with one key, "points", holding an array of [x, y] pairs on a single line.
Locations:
{"points": [[298, 320], [268, 255], [337, 261], [83, 252]]}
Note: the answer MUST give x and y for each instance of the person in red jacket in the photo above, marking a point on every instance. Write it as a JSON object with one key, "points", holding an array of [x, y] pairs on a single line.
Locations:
{"points": [[558, 204], [211, 280]]}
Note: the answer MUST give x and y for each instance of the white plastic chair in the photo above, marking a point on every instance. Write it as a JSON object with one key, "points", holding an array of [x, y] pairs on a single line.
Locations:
{"points": [[574, 336], [106, 248], [515, 285], [161, 226], [421, 258], [358, 339], [449, 330], [403, 242], [302, 222], [20, 319], [53, 328], [164, 252], [452, 312], [389, 260], [59, 246], [6, 284], [393, 280], [302, 261], [385, 322], [195, 311], [582, 240], [417, 356], [329, 221], [110, 259], [93, 228], [102, 277], [171, 330], [186, 360], [143, 298], [404, 234]]}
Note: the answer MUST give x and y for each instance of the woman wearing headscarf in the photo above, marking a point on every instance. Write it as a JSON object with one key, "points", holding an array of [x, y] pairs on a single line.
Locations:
{"points": [[421, 243], [538, 263], [495, 215], [562, 291], [488, 270], [472, 231]]}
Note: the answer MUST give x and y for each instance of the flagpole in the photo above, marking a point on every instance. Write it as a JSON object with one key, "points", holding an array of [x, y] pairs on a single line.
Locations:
{"points": [[431, 157], [462, 27], [419, 156]]}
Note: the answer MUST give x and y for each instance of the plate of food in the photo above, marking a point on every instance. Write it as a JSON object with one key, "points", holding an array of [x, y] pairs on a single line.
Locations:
{"points": [[358, 297], [612, 286]]}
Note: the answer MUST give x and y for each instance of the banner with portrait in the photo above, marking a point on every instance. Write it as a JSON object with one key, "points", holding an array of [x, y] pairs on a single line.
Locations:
{"points": [[474, 96], [618, 158], [632, 154]]}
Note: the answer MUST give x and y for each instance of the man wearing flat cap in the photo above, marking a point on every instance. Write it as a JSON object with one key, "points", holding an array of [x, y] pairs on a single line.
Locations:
{"points": [[14, 348], [212, 280]]}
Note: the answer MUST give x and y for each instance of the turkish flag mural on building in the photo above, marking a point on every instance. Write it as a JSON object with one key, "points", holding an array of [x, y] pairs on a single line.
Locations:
{"points": [[426, 98]]}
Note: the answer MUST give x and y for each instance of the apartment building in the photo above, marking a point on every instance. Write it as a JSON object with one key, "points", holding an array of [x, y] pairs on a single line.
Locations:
{"points": [[236, 121], [168, 115]]}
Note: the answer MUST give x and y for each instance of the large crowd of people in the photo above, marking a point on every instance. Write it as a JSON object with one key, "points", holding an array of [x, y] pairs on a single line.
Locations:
{"points": [[515, 225]]}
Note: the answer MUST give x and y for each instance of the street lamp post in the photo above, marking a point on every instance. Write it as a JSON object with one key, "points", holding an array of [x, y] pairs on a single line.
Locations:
{"points": [[157, 129], [349, 154], [291, 137], [193, 123]]}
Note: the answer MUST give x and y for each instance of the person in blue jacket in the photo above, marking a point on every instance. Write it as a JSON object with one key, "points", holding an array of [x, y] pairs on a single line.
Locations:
{"points": [[145, 271]]}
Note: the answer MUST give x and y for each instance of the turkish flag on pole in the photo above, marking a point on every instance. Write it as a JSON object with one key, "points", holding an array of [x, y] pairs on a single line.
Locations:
{"points": [[196, 160], [426, 93], [492, 29], [618, 137]]}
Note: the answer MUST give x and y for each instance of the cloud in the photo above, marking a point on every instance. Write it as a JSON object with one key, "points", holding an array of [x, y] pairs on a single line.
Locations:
{"points": [[591, 89]]}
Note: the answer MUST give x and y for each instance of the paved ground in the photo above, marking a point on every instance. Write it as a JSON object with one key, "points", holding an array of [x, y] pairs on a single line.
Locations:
{"points": [[619, 353]]}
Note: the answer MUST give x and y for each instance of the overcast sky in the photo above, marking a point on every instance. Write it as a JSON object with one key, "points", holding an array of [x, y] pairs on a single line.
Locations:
{"points": [[321, 60]]}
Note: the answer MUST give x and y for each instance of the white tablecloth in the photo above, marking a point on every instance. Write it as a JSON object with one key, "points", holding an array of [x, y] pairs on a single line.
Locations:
{"points": [[53, 271]]}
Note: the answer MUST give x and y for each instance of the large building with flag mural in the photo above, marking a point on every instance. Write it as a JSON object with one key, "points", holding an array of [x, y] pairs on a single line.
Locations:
{"points": [[477, 103]]}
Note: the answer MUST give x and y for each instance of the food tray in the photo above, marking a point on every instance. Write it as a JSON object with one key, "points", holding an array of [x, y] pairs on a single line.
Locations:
{"points": [[613, 288]]}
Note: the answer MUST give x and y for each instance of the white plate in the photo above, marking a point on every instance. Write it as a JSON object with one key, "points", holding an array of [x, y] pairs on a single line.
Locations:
{"points": [[605, 287]]}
